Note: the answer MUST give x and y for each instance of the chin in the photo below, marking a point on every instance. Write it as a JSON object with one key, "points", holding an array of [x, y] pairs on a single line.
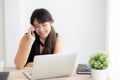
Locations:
{"points": [[43, 37]]}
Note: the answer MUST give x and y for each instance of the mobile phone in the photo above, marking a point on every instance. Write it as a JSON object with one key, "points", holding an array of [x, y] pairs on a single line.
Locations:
{"points": [[32, 32], [36, 35]]}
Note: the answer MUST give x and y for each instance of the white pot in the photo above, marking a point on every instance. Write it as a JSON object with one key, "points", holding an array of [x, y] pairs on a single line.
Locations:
{"points": [[99, 74]]}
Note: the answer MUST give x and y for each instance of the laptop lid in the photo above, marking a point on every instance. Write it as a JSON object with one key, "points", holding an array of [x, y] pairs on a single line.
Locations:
{"points": [[54, 65], [4, 75]]}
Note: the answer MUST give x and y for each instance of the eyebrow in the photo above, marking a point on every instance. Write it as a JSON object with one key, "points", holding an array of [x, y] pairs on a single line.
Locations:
{"points": [[40, 23]]}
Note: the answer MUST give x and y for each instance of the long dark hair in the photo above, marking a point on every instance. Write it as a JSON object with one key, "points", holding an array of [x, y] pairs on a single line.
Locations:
{"points": [[43, 15]]}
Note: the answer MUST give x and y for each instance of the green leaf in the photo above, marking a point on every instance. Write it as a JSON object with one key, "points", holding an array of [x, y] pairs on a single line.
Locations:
{"points": [[100, 60]]}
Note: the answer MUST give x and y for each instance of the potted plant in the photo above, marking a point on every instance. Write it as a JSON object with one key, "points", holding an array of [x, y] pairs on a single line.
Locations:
{"points": [[99, 63]]}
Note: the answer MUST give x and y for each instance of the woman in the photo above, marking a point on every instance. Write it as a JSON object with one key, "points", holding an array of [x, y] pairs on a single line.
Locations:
{"points": [[41, 39]]}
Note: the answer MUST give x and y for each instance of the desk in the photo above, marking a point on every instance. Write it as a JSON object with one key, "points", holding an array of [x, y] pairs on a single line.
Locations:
{"points": [[18, 75]]}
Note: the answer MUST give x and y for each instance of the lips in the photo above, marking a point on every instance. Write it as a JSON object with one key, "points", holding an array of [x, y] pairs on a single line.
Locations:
{"points": [[43, 34]]}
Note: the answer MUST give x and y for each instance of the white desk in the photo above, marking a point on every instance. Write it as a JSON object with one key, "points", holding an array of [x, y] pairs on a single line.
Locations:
{"points": [[15, 74]]}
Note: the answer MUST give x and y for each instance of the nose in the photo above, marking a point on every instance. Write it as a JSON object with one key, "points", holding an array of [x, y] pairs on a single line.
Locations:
{"points": [[41, 28]]}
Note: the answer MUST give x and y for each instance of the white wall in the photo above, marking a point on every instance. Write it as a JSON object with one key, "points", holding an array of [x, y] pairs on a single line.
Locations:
{"points": [[12, 29], [2, 31], [113, 27], [82, 24]]}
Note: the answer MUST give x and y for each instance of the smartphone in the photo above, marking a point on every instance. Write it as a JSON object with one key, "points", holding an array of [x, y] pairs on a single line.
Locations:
{"points": [[34, 32]]}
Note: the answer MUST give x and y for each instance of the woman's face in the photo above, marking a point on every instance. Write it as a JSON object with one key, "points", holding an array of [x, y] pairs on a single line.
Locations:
{"points": [[42, 29]]}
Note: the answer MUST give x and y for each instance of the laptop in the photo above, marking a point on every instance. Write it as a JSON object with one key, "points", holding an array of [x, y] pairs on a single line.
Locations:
{"points": [[51, 66], [4, 75]]}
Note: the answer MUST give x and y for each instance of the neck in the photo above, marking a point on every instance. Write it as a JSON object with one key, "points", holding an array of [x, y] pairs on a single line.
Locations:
{"points": [[42, 40]]}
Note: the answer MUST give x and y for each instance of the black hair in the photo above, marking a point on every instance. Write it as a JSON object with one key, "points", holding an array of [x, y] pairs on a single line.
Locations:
{"points": [[42, 15]]}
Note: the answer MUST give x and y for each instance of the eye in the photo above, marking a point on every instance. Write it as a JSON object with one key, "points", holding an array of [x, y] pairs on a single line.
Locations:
{"points": [[36, 26], [44, 25]]}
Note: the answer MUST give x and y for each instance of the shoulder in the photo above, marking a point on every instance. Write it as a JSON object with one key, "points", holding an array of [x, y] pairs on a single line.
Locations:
{"points": [[58, 45], [58, 38]]}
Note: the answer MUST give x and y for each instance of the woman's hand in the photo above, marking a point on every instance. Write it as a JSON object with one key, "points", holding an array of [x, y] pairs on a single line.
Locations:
{"points": [[31, 34], [30, 64]]}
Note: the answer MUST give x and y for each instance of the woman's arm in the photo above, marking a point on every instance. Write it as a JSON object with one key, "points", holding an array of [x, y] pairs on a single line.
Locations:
{"points": [[58, 45], [23, 52], [24, 49]]}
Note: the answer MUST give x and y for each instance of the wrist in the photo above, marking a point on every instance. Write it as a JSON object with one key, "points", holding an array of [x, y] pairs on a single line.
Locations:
{"points": [[28, 39]]}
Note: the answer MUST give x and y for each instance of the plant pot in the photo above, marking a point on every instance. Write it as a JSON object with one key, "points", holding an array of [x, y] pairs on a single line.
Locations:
{"points": [[99, 74]]}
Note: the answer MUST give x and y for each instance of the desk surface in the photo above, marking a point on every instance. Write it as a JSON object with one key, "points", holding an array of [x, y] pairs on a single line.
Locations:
{"points": [[18, 75]]}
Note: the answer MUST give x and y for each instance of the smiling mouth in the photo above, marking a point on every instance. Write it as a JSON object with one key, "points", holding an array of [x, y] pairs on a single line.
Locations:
{"points": [[41, 34]]}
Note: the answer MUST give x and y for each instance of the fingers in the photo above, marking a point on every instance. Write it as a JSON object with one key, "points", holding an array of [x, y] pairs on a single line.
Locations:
{"points": [[31, 34], [31, 30]]}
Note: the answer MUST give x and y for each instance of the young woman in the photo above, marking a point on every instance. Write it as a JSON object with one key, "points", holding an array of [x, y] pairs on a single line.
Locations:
{"points": [[41, 39]]}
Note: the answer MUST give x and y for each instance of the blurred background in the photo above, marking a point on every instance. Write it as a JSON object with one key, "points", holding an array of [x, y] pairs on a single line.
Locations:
{"points": [[86, 26]]}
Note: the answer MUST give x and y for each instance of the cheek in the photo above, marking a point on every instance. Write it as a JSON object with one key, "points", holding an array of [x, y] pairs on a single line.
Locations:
{"points": [[37, 30], [49, 29]]}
